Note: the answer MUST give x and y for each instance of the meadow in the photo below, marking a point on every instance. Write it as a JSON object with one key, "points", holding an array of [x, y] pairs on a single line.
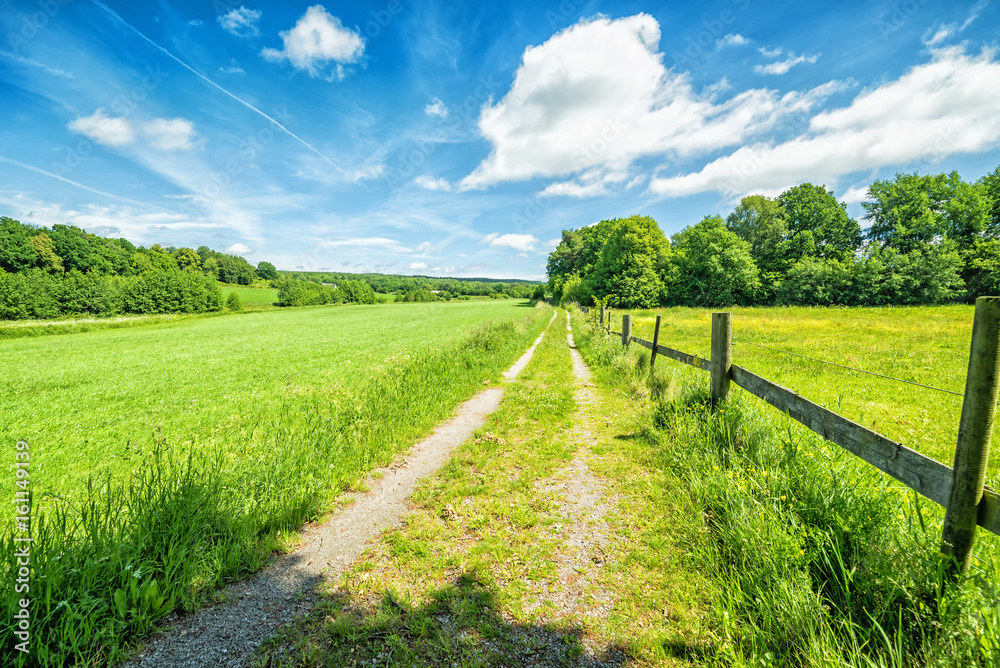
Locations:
{"points": [[817, 558], [168, 458], [250, 296], [926, 345]]}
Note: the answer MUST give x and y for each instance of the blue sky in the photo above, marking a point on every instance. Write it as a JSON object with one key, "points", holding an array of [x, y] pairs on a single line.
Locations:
{"points": [[459, 139]]}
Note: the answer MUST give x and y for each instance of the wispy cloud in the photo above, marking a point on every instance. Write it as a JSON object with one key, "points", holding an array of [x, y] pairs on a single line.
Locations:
{"points": [[241, 22], [431, 183], [31, 62], [732, 39], [436, 108], [76, 184], [232, 68], [175, 134], [520, 242], [782, 66], [201, 76]]}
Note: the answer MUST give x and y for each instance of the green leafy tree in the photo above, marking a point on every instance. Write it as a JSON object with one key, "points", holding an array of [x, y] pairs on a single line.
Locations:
{"points": [[45, 253], [73, 245], [266, 271], [989, 188], [633, 270], [233, 302], [816, 281], [578, 253], [16, 251], [111, 256], [911, 210], [140, 264], [714, 266], [161, 259], [359, 292], [814, 209], [187, 259], [575, 290]]}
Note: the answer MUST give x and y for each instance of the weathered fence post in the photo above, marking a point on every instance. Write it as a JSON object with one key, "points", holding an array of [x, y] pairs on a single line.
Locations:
{"points": [[626, 330], [974, 431], [722, 355], [602, 316], [656, 342]]}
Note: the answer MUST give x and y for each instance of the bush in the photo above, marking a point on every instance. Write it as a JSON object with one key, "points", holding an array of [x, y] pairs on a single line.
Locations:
{"points": [[233, 302]]}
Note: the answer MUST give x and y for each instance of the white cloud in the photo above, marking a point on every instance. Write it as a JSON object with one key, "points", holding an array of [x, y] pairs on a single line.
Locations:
{"points": [[935, 36], [974, 13], [173, 134], [855, 195], [239, 249], [944, 107], [431, 183], [233, 68], [165, 134], [597, 96], [436, 108], [941, 34], [425, 247], [417, 266], [376, 242], [316, 40], [590, 184], [241, 22], [520, 242], [770, 53], [732, 39], [105, 130], [368, 172], [195, 22], [782, 66]]}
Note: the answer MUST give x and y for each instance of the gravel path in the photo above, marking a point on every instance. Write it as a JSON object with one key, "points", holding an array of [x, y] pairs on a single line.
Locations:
{"points": [[584, 503], [254, 609]]}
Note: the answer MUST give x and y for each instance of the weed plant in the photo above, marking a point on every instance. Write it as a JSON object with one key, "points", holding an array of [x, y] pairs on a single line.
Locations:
{"points": [[113, 554], [818, 559]]}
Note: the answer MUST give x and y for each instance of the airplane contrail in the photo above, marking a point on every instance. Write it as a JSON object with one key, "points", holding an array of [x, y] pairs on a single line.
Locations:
{"points": [[80, 185], [215, 85]]}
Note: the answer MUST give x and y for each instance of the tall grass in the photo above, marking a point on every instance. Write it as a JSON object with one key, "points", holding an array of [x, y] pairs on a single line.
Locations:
{"points": [[818, 559], [127, 549]]}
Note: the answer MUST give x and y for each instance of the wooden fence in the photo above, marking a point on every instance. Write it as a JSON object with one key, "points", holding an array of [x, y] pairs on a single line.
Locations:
{"points": [[960, 489]]}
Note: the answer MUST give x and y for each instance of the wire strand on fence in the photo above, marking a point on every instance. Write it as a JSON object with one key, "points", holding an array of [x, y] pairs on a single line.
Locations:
{"points": [[850, 368]]}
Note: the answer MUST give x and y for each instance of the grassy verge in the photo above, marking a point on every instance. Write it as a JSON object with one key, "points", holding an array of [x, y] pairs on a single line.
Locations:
{"points": [[125, 550], [486, 569], [927, 345], [817, 559]]}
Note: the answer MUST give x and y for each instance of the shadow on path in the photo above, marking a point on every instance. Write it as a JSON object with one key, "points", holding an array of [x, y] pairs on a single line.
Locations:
{"points": [[459, 625]]}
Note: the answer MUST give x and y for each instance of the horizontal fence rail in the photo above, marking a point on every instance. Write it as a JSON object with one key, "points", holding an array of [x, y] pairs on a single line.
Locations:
{"points": [[693, 360], [924, 475]]}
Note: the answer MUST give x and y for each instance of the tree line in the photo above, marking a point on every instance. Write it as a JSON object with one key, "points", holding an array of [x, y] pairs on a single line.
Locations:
{"points": [[930, 239], [48, 272], [426, 288]]}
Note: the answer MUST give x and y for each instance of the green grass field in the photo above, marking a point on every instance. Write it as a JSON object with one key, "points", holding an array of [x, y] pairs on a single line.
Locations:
{"points": [[927, 345], [250, 296], [168, 458], [816, 558]]}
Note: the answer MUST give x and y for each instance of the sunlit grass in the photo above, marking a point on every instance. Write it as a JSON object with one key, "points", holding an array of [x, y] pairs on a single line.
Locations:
{"points": [[250, 296], [170, 458], [926, 345], [818, 559]]}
